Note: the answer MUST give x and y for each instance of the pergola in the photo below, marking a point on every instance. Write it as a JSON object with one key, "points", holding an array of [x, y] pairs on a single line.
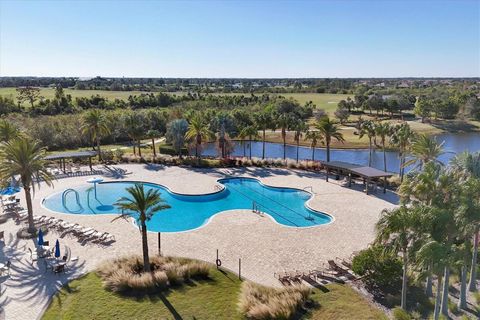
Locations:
{"points": [[351, 169], [71, 155]]}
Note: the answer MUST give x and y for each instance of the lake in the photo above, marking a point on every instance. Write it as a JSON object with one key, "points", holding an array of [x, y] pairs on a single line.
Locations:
{"points": [[453, 143]]}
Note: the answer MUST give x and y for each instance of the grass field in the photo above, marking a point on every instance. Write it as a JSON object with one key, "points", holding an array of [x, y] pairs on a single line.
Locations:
{"points": [[325, 101], [214, 299]]}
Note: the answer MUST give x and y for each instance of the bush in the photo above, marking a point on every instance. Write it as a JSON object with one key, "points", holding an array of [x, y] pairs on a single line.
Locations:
{"points": [[378, 268], [126, 274], [258, 302], [400, 314]]}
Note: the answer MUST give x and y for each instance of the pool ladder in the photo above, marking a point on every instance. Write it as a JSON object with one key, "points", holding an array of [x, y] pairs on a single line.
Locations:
{"points": [[64, 197]]}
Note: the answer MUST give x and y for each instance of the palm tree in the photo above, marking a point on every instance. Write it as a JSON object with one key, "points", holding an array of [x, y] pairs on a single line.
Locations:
{"points": [[252, 133], [314, 136], [263, 121], [284, 122], [367, 128], [8, 131], [396, 232], [198, 131], [424, 149], [95, 125], [175, 135], [25, 157], [300, 127], [383, 130], [433, 254], [402, 136], [143, 206], [135, 130], [469, 165], [328, 130], [152, 134]]}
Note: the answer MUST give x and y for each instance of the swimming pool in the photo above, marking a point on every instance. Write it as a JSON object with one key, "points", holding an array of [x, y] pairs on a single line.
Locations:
{"points": [[286, 206]]}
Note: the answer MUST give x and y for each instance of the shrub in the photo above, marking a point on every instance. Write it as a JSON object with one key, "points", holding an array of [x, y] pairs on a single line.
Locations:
{"points": [[476, 296], [126, 274], [400, 314], [259, 302], [378, 268]]}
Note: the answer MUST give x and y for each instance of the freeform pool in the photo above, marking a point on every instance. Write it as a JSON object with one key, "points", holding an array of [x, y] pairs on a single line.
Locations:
{"points": [[286, 206]]}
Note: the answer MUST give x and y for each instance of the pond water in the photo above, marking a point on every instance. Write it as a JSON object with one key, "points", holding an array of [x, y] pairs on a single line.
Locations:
{"points": [[453, 143]]}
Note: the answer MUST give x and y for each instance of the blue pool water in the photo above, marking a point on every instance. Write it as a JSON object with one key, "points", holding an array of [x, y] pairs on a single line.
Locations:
{"points": [[187, 212]]}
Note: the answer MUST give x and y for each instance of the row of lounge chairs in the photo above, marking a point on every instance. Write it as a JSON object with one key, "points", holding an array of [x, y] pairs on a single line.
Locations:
{"points": [[83, 233], [338, 270]]}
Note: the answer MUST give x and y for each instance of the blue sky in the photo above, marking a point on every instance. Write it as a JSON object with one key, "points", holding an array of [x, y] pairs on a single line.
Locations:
{"points": [[240, 39]]}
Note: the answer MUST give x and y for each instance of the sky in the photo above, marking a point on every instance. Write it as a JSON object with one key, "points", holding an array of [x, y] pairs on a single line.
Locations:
{"points": [[247, 39]]}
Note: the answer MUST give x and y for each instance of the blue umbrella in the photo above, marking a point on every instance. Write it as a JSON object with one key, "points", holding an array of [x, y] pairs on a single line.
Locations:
{"points": [[57, 249], [40, 237]]}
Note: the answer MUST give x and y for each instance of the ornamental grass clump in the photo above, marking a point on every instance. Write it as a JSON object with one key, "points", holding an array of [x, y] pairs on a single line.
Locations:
{"points": [[126, 274], [259, 302]]}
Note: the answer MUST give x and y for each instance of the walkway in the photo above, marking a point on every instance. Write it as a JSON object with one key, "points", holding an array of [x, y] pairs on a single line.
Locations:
{"points": [[264, 246]]}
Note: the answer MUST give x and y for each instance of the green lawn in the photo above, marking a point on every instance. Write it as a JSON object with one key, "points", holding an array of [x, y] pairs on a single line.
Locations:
{"points": [[214, 299], [324, 101]]}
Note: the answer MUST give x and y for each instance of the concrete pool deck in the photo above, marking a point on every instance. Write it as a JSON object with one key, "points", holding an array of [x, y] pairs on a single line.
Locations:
{"points": [[264, 246]]}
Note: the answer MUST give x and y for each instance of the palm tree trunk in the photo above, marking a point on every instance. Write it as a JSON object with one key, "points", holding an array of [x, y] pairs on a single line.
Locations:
{"points": [[250, 151], [153, 146], [28, 198], [384, 158], [297, 149], [284, 148], [404, 281], [139, 148], [472, 286], [263, 152], [370, 152], [462, 301], [429, 286], [328, 151], [146, 258], [197, 154], [313, 153], [244, 148], [134, 148], [436, 313], [98, 148], [446, 284]]}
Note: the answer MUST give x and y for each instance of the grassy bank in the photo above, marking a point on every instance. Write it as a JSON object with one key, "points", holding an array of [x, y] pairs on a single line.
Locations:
{"points": [[213, 299]]}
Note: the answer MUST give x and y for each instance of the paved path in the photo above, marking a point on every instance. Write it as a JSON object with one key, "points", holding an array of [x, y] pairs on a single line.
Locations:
{"points": [[264, 246]]}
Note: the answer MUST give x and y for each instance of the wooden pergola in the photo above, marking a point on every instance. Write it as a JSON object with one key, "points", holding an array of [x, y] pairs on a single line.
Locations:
{"points": [[71, 155], [354, 170]]}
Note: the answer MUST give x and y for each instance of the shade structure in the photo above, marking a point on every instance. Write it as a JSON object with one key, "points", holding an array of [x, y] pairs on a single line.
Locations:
{"points": [[40, 237], [57, 249]]}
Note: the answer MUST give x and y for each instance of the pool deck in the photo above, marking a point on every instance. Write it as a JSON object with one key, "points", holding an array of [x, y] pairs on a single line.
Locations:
{"points": [[263, 245]]}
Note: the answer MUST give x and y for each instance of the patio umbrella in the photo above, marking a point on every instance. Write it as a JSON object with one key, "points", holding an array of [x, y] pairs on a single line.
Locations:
{"points": [[57, 249], [40, 237]]}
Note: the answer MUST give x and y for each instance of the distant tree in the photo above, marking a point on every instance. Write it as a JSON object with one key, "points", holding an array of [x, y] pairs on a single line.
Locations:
{"points": [[198, 132], [383, 131], [284, 122], [423, 107], [263, 121], [134, 127], [30, 94], [315, 137], [252, 133], [367, 128], [328, 130], [175, 135], [300, 127], [342, 113], [95, 125], [152, 134]]}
